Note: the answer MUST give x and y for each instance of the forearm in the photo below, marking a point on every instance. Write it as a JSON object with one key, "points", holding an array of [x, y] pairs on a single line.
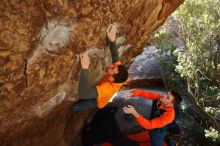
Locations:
{"points": [[158, 122], [146, 94], [143, 122], [114, 52], [85, 89]]}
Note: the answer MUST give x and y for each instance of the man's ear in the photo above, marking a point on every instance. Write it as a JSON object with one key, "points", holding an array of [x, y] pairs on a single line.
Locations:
{"points": [[173, 101], [111, 79]]}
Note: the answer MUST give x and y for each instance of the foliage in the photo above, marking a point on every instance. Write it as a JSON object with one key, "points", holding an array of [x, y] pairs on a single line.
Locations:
{"points": [[213, 134], [197, 69], [200, 32], [163, 39], [210, 110], [199, 65]]}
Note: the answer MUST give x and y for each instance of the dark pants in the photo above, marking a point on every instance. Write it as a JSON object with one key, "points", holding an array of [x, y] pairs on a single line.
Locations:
{"points": [[83, 105], [157, 136], [103, 128]]}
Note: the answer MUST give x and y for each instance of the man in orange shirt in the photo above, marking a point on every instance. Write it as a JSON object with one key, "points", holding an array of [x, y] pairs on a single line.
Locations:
{"points": [[100, 94], [162, 113]]}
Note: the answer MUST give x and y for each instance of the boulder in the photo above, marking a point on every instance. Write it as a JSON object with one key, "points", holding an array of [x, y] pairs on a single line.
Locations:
{"points": [[146, 65]]}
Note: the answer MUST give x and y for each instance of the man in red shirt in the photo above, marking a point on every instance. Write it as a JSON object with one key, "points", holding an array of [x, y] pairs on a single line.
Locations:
{"points": [[162, 113]]}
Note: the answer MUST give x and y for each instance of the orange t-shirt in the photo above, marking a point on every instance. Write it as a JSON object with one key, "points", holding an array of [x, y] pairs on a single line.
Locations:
{"points": [[106, 90]]}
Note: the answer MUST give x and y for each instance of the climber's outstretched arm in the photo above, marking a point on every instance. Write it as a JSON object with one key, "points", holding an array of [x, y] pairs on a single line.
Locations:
{"points": [[112, 34], [114, 52], [85, 89]]}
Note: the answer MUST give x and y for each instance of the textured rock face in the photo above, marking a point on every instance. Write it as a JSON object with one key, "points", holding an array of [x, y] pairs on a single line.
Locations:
{"points": [[146, 65], [40, 41]]}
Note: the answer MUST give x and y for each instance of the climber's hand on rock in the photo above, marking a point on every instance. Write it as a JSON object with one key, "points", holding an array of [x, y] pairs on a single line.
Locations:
{"points": [[112, 32], [130, 110], [84, 59]]}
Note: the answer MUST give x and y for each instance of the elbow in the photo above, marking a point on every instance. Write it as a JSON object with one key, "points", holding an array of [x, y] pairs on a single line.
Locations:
{"points": [[148, 127]]}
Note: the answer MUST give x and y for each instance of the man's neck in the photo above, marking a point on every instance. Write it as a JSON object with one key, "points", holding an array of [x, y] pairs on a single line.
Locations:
{"points": [[167, 105]]}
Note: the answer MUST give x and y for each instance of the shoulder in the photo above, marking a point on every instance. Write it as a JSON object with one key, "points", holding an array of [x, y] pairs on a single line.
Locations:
{"points": [[169, 113], [118, 63]]}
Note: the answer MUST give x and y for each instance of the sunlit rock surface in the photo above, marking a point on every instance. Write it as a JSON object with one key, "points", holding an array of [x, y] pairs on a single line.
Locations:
{"points": [[40, 42]]}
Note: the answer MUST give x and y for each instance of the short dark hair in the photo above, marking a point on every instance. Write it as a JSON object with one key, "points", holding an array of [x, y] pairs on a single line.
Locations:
{"points": [[122, 74], [177, 98]]}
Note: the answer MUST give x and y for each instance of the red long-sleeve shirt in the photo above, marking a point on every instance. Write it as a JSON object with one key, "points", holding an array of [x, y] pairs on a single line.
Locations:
{"points": [[166, 118]]}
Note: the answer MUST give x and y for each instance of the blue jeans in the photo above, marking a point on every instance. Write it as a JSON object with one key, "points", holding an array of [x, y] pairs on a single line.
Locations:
{"points": [[157, 136]]}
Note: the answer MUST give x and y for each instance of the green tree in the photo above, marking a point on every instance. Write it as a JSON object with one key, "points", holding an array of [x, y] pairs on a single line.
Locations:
{"points": [[200, 32], [197, 70]]}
